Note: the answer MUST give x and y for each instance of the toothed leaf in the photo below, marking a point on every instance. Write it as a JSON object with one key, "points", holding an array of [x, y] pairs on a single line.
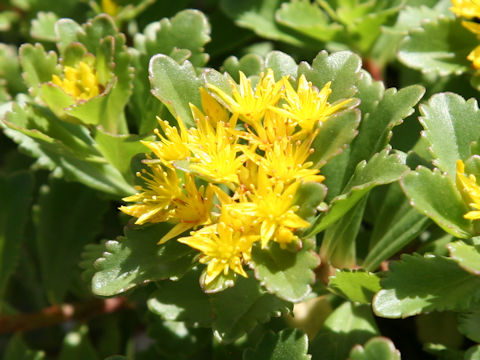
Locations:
{"points": [[136, 259], [287, 274], [418, 284]]}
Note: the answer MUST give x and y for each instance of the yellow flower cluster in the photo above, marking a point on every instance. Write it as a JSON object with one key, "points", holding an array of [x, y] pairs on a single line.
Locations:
{"points": [[469, 9], [80, 81], [468, 187], [250, 151]]}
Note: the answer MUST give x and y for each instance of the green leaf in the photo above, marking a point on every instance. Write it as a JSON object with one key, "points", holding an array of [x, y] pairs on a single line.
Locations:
{"points": [[176, 86], [443, 285], [38, 66], [308, 197], [436, 196], [66, 31], [288, 344], [58, 100], [396, 225], [451, 125], [308, 19], [341, 68], [259, 16], [239, 309], [67, 148], [188, 31], [250, 65], [81, 218], [377, 348], [469, 325], [370, 93], [77, 346], [467, 256], [440, 46], [282, 64], [174, 340], [96, 29], [411, 17], [43, 26], [339, 246], [473, 353], [90, 253], [365, 26], [354, 285], [334, 136], [16, 193], [289, 275], [181, 37], [220, 283], [375, 132], [18, 350], [381, 169], [182, 300], [348, 325], [136, 259], [10, 69], [334, 172], [119, 150]]}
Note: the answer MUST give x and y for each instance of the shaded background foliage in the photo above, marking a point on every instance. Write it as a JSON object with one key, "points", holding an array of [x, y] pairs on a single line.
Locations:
{"points": [[60, 248]]}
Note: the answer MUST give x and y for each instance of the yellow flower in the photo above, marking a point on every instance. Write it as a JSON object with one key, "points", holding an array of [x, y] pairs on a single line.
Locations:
{"points": [[80, 81], [110, 7], [213, 110], [308, 106], [154, 202], [286, 161], [469, 9], [172, 146], [466, 8], [223, 249], [275, 126], [162, 199], [191, 209], [468, 187], [474, 57], [249, 104], [472, 26], [215, 153], [271, 204]]}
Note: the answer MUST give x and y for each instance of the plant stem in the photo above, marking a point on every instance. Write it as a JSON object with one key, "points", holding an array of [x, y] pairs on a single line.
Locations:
{"points": [[57, 314], [372, 67]]}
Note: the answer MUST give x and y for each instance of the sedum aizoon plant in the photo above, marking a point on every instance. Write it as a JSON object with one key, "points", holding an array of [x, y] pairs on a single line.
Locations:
{"points": [[257, 179]]}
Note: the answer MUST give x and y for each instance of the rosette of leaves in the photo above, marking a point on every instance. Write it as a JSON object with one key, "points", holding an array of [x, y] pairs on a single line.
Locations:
{"points": [[97, 56], [87, 139], [76, 124]]}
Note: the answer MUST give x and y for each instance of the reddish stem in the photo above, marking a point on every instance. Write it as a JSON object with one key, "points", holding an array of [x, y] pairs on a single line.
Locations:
{"points": [[372, 67], [57, 314]]}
